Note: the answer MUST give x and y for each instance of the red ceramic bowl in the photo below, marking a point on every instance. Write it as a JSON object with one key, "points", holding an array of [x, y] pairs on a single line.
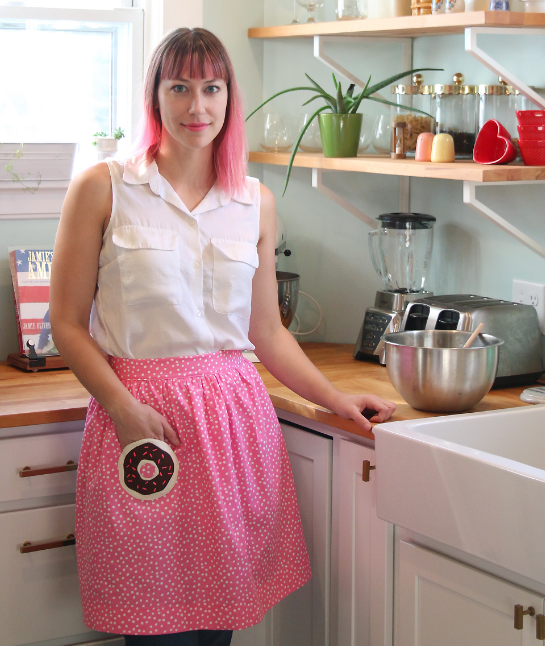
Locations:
{"points": [[531, 117], [533, 152], [493, 145], [532, 133]]}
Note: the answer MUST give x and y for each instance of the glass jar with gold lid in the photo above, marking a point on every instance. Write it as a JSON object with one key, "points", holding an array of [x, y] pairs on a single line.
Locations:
{"points": [[498, 102], [456, 114], [412, 101]]}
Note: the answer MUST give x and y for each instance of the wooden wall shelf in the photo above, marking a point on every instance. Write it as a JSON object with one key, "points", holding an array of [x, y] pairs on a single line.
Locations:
{"points": [[459, 170], [406, 26]]}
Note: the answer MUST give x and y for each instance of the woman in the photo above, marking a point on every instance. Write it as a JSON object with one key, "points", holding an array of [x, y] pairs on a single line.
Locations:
{"points": [[171, 255]]}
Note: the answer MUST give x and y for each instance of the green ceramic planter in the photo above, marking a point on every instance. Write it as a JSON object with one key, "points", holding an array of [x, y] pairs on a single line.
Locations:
{"points": [[340, 134]]}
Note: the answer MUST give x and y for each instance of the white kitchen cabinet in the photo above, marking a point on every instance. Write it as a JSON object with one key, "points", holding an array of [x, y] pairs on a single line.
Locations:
{"points": [[39, 595], [364, 617], [302, 618], [440, 601]]}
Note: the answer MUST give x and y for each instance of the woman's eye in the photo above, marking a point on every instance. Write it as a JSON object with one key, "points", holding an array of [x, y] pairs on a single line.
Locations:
{"points": [[212, 89], [179, 88]]}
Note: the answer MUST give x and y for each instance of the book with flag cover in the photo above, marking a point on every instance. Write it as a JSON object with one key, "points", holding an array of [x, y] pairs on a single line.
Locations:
{"points": [[30, 274]]}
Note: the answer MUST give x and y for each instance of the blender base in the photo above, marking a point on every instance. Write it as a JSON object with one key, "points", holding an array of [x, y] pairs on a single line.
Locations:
{"points": [[385, 317]]}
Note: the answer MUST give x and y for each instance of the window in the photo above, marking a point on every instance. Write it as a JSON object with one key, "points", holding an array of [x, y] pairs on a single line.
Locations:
{"points": [[68, 73]]}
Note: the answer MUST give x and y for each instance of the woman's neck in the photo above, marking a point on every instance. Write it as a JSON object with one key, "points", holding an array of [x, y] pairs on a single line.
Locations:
{"points": [[190, 172]]}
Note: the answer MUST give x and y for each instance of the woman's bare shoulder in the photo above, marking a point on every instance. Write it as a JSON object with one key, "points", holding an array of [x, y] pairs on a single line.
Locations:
{"points": [[95, 179], [90, 193]]}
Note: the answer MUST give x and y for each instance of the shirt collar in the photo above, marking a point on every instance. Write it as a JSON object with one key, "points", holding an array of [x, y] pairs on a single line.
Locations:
{"points": [[138, 171]]}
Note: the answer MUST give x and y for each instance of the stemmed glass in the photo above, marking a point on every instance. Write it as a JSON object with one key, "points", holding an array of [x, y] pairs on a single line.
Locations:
{"points": [[310, 6]]}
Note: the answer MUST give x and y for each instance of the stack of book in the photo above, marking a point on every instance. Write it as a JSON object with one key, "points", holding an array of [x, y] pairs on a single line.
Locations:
{"points": [[30, 274]]}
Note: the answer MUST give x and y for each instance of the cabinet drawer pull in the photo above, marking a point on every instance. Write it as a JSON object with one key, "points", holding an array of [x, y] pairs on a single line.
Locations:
{"points": [[27, 472], [519, 615], [540, 627], [366, 469], [27, 546]]}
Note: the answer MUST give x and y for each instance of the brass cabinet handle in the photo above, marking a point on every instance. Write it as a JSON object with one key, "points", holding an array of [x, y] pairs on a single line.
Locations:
{"points": [[519, 615], [540, 627], [365, 470], [27, 472], [27, 546]]}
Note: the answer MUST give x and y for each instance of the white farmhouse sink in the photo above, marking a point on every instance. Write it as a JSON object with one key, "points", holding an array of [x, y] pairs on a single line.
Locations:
{"points": [[475, 482]]}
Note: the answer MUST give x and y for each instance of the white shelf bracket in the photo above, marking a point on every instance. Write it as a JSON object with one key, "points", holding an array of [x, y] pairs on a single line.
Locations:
{"points": [[471, 199], [471, 46], [407, 63], [345, 204], [319, 41]]}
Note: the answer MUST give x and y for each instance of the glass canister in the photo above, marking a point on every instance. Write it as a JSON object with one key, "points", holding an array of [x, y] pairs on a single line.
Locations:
{"points": [[456, 114], [498, 102], [349, 10], [409, 99]]}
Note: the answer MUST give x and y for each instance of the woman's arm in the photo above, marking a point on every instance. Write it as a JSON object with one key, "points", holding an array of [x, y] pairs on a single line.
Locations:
{"points": [[279, 351], [85, 212]]}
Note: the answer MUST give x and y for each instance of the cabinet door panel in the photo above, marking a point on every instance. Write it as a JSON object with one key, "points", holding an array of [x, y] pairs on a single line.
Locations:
{"points": [[39, 595], [442, 601], [38, 452], [302, 618], [362, 553]]}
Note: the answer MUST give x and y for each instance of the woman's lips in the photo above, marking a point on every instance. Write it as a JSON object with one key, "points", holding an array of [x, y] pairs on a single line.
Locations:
{"points": [[196, 127]]}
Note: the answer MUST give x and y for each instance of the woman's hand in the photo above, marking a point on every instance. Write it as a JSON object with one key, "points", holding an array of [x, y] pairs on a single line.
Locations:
{"points": [[139, 422], [353, 407]]}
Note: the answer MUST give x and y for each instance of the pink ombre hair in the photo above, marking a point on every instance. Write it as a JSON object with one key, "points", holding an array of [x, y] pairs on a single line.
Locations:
{"points": [[205, 56]]}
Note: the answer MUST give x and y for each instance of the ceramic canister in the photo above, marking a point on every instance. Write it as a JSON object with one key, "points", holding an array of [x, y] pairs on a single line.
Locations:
{"points": [[442, 149]]}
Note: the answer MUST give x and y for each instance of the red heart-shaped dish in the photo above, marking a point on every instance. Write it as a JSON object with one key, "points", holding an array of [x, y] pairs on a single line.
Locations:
{"points": [[494, 145]]}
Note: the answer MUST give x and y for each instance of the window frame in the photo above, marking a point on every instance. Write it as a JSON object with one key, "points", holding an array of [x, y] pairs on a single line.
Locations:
{"points": [[133, 15]]}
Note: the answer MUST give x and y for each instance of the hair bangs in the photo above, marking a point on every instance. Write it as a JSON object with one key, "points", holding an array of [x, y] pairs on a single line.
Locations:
{"points": [[194, 59]]}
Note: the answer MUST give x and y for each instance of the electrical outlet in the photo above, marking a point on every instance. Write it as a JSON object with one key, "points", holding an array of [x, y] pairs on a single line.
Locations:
{"points": [[531, 294]]}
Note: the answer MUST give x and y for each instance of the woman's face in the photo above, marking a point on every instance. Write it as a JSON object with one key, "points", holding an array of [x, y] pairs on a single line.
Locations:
{"points": [[192, 110]]}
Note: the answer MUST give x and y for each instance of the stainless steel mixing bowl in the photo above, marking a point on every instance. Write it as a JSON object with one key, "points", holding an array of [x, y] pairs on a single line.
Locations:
{"points": [[433, 372], [288, 293]]}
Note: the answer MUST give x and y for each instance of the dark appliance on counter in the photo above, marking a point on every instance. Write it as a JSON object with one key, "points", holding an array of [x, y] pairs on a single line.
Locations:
{"points": [[520, 359]]}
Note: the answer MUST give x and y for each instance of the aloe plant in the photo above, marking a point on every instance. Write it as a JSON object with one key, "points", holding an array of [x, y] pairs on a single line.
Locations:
{"points": [[340, 103]]}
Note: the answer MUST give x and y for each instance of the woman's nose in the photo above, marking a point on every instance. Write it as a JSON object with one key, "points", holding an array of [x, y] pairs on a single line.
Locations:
{"points": [[196, 105]]}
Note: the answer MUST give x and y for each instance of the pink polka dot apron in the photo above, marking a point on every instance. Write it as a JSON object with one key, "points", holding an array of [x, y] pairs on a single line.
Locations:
{"points": [[225, 542]]}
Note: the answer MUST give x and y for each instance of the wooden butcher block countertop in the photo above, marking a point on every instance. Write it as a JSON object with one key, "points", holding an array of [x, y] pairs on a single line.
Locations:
{"points": [[57, 396]]}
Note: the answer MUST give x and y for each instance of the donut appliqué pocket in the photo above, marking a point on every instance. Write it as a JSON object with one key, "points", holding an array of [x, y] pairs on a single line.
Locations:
{"points": [[148, 469]]}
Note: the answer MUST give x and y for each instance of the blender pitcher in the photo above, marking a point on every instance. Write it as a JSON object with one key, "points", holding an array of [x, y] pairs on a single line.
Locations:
{"points": [[401, 250]]}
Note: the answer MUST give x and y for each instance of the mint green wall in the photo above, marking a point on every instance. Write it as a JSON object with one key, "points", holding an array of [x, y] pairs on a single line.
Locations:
{"points": [[330, 245]]}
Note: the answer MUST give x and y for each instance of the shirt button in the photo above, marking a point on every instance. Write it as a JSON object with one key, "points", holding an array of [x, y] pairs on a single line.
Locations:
{"points": [[199, 313], [196, 265], [192, 223]]}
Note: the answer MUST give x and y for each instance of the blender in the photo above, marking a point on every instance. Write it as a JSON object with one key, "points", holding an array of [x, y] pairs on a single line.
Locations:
{"points": [[400, 251]]}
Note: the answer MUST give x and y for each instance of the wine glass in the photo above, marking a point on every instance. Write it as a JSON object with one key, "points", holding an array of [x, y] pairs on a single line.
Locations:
{"points": [[277, 133], [310, 6], [382, 133], [366, 136], [311, 141]]}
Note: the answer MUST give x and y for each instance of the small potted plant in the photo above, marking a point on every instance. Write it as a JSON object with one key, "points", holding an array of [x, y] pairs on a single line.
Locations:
{"points": [[340, 127], [106, 145]]}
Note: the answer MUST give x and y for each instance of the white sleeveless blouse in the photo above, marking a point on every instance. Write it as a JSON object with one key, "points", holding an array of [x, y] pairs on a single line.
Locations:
{"points": [[173, 282]]}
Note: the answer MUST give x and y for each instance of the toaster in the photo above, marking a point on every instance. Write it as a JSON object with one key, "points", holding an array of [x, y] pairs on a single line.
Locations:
{"points": [[520, 359]]}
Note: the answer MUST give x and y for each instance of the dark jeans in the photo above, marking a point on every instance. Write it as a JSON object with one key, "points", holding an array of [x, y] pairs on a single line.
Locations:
{"points": [[190, 638]]}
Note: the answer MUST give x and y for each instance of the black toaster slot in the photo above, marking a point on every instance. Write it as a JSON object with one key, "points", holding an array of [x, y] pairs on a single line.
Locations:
{"points": [[417, 317], [448, 320]]}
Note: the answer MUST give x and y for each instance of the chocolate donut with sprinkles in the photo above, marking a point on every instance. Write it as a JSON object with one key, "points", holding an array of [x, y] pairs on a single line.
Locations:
{"points": [[148, 469]]}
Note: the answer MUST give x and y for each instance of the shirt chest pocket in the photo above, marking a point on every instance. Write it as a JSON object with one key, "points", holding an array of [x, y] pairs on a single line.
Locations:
{"points": [[149, 265], [235, 263]]}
